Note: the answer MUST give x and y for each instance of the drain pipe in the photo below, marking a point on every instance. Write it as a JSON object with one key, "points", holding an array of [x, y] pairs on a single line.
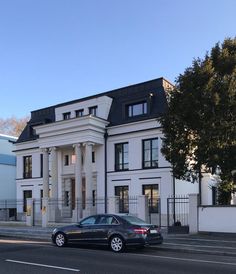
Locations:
{"points": [[105, 168]]}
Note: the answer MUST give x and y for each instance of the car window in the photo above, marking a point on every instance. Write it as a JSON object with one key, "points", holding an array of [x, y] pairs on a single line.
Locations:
{"points": [[89, 221], [108, 220], [134, 220]]}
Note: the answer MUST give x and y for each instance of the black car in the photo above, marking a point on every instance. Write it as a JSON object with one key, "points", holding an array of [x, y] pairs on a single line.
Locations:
{"points": [[116, 231]]}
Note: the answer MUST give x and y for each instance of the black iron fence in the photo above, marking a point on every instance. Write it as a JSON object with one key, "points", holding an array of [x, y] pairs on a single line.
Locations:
{"points": [[178, 214]]}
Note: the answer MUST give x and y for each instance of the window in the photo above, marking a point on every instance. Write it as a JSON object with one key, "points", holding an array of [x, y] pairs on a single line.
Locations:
{"points": [[121, 157], [26, 194], [151, 191], [27, 173], [150, 153], [89, 221], [123, 193], [107, 220], [137, 109], [79, 113], [93, 156], [66, 116], [41, 165], [93, 110], [66, 160]]}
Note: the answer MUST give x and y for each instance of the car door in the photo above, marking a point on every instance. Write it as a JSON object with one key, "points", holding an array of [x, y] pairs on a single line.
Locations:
{"points": [[85, 229], [105, 224]]}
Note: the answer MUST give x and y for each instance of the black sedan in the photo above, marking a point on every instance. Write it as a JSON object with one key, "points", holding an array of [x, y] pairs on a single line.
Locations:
{"points": [[116, 231]]}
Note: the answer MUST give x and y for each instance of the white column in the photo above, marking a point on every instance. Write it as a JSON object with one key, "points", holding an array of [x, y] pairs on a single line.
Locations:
{"points": [[89, 177], [78, 180], [54, 173], [45, 173]]}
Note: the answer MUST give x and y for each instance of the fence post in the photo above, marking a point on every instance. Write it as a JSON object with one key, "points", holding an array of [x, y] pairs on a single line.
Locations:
{"points": [[45, 212], [193, 213], [143, 207], [30, 212], [113, 204]]}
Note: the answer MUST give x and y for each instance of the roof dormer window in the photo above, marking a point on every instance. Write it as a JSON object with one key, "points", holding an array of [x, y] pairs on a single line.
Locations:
{"points": [[93, 110], [66, 116], [79, 113], [137, 109]]}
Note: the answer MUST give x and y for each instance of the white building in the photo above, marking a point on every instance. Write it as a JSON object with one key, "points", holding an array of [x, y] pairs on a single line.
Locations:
{"points": [[7, 177], [81, 154]]}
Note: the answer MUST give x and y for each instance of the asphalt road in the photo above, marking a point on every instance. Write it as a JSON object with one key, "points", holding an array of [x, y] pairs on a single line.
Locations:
{"points": [[22, 256]]}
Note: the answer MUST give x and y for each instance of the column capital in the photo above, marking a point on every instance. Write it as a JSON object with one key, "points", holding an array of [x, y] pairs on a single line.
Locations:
{"points": [[45, 150], [88, 144], [77, 145], [53, 148]]}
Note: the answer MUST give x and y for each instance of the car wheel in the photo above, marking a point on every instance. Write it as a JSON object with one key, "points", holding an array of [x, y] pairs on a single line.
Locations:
{"points": [[60, 239], [117, 244]]}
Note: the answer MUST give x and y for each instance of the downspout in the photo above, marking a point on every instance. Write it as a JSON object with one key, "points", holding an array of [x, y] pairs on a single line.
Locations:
{"points": [[105, 169], [173, 177]]}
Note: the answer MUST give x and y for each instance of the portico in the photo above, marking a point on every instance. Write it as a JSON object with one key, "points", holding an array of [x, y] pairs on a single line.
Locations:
{"points": [[69, 175]]}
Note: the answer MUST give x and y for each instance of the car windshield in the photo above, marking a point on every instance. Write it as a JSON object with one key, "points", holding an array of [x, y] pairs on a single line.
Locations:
{"points": [[134, 220]]}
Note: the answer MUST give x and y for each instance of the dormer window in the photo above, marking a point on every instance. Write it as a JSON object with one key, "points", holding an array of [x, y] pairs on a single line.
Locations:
{"points": [[66, 116], [79, 113], [137, 109], [93, 110]]}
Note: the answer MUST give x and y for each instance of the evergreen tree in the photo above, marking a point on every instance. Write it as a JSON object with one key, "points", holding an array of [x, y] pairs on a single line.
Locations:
{"points": [[200, 124]]}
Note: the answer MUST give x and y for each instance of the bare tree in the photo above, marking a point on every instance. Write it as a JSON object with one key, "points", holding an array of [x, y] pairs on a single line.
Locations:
{"points": [[13, 126]]}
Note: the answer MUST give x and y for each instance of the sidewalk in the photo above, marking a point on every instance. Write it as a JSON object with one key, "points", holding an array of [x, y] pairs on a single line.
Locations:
{"points": [[214, 244]]}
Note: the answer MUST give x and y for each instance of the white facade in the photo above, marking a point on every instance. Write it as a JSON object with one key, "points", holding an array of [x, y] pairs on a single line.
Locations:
{"points": [[73, 158]]}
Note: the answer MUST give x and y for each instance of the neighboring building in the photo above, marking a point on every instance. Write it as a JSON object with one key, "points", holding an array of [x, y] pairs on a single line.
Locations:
{"points": [[85, 152], [7, 177]]}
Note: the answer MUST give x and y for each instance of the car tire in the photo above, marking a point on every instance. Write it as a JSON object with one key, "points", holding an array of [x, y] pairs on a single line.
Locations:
{"points": [[117, 244], [60, 239]]}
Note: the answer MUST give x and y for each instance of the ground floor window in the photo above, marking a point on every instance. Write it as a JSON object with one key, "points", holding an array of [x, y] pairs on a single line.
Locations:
{"points": [[152, 192], [123, 193], [26, 194]]}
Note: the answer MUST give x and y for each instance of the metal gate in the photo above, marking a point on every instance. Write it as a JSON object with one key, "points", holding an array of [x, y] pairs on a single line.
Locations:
{"points": [[178, 214]]}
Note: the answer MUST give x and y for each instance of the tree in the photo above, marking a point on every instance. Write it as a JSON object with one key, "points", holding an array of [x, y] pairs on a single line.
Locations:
{"points": [[200, 124], [13, 126]]}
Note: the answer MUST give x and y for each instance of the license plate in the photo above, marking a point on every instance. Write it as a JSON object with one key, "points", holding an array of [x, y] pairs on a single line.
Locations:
{"points": [[153, 231]]}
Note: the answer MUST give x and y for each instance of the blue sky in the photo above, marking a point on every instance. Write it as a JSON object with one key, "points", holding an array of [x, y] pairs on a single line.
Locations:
{"points": [[52, 51]]}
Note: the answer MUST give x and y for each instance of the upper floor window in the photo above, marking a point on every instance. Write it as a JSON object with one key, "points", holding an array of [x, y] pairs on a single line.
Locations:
{"points": [[121, 156], [41, 165], [66, 116], [150, 153], [79, 113], [27, 172], [137, 109], [66, 160], [93, 110]]}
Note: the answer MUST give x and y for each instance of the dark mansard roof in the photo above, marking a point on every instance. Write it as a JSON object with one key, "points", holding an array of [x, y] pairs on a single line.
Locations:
{"points": [[152, 92]]}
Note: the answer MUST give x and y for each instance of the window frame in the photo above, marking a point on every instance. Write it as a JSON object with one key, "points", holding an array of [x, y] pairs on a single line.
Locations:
{"points": [[27, 167], [66, 115], [121, 166], [120, 191], [151, 206], [130, 109], [151, 161], [93, 110], [79, 113], [25, 197]]}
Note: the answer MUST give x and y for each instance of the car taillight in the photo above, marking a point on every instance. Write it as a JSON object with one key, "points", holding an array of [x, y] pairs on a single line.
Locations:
{"points": [[140, 231]]}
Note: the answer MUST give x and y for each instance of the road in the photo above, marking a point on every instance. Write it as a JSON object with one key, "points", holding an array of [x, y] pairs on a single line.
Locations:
{"points": [[22, 256]]}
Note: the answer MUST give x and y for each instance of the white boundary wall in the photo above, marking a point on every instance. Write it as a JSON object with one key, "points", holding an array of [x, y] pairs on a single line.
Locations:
{"points": [[217, 219]]}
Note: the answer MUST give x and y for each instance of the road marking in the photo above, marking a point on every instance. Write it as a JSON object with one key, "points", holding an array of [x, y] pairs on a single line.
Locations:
{"points": [[208, 246], [186, 259], [43, 265]]}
